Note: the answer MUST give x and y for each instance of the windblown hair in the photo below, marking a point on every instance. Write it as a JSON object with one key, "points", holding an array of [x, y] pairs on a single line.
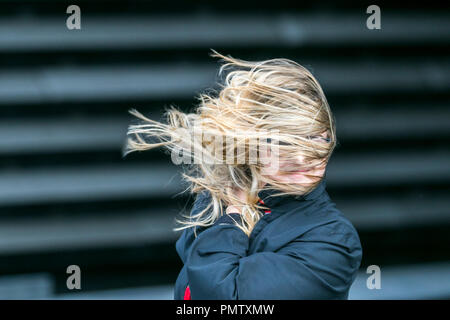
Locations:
{"points": [[258, 104]]}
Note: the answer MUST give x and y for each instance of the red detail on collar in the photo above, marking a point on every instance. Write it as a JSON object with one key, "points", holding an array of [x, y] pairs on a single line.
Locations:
{"points": [[187, 294], [265, 211]]}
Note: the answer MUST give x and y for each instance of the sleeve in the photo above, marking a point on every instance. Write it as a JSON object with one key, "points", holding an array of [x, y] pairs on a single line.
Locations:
{"points": [[314, 266], [187, 237]]}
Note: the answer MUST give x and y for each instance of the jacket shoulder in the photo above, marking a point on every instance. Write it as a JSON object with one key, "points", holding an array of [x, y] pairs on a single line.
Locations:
{"points": [[332, 224], [338, 231]]}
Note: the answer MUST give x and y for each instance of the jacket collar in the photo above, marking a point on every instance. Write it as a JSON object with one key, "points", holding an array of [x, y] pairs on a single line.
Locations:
{"points": [[270, 200]]}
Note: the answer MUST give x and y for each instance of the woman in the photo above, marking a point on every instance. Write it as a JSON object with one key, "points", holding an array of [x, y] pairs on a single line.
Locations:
{"points": [[262, 225]]}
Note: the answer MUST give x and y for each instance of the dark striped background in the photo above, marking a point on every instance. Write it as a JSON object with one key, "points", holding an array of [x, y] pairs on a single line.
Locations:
{"points": [[68, 197]]}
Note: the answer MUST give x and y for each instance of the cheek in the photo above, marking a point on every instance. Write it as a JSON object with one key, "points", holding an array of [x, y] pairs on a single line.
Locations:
{"points": [[297, 176]]}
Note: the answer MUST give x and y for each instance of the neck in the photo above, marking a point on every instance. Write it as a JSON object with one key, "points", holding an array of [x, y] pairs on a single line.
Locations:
{"points": [[270, 199]]}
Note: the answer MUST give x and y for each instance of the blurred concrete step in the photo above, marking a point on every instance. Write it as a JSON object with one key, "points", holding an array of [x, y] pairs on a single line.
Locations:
{"points": [[154, 225], [206, 30], [109, 133], [416, 281], [47, 185], [159, 81], [364, 122], [420, 281], [387, 210], [26, 286], [47, 234], [383, 169], [62, 135], [101, 182], [83, 84], [140, 293]]}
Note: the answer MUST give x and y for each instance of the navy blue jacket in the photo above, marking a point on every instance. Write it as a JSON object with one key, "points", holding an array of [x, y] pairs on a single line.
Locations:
{"points": [[304, 249]]}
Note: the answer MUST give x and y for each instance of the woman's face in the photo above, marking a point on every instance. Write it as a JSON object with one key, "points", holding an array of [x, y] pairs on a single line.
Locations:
{"points": [[292, 170]]}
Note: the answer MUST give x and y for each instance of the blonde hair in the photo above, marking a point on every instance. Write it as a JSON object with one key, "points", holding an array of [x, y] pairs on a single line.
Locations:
{"points": [[257, 99]]}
